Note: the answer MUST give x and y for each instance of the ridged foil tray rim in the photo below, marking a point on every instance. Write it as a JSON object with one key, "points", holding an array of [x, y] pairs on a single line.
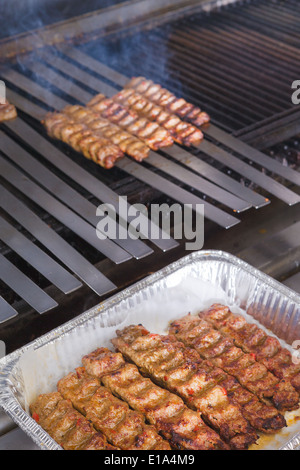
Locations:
{"points": [[12, 407]]}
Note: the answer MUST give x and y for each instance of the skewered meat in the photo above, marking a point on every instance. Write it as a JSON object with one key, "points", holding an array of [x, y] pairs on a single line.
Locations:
{"points": [[156, 94], [7, 112], [181, 370], [263, 417], [182, 426], [220, 349], [182, 132], [255, 340], [127, 105], [97, 148], [123, 427], [102, 127], [65, 425], [150, 132]]}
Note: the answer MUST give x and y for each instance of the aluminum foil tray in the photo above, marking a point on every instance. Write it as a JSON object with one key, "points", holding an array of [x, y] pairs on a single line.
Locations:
{"points": [[188, 285]]}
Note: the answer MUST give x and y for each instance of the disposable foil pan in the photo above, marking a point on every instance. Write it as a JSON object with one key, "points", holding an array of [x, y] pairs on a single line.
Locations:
{"points": [[186, 286]]}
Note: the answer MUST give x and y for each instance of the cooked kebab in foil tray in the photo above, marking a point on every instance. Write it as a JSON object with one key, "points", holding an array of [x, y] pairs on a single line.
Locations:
{"points": [[141, 117], [197, 356], [8, 112]]}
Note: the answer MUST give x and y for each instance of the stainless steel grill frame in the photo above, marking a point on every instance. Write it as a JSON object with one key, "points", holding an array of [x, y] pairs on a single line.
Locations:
{"points": [[248, 187], [230, 172]]}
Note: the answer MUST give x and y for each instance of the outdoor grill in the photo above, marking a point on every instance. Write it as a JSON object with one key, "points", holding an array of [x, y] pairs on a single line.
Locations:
{"points": [[235, 59]]}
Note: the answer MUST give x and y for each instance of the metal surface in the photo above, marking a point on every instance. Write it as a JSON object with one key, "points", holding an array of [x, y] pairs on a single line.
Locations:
{"points": [[43, 263], [54, 77], [85, 179], [228, 159], [6, 311], [238, 63], [229, 62], [243, 149], [76, 172], [224, 189], [39, 92], [179, 194], [215, 214], [252, 154], [220, 178], [16, 439], [51, 66], [279, 252], [65, 193], [232, 201], [99, 22], [55, 244], [92, 64], [159, 162], [198, 183], [272, 131]]}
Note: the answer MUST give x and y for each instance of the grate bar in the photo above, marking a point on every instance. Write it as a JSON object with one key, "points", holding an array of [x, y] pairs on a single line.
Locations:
{"points": [[52, 77], [211, 78], [55, 244], [41, 93], [259, 51], [43, 263], [24, 287], [263, 93], [65, 193], [185, 176], [62, 65], [26, 106], [61, 213], [63, 163], [248, 19], [257, 177], [178, 153]]}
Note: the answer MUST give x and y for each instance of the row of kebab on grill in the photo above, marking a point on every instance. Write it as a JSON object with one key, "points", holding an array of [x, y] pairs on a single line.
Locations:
{"points": [[215, 382], [142, 117]]}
